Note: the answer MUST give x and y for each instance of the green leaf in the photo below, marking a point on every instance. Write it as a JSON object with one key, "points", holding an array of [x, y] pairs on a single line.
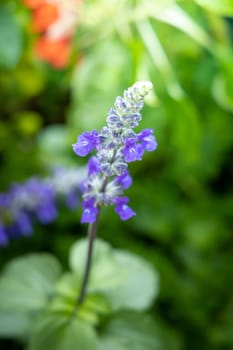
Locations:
{"points": [[160, 59], [223, 81], [88, 107], [133, 330], [10, 39], [222, 7], [220, 93], [125, 279], [27, 282], [68, 289], [186, 128], [177, 17], [130, 330], [59, 332], [13, 324], [55, 146]]}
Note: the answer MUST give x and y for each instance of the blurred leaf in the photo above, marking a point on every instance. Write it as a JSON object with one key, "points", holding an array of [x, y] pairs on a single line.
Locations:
{"points": [[222, 7], [68, 285], [27, 282], [126, 279], [130, 330], [133, 330], [223, 83], [30, 80], [220, 93], [28, 122], [10, 39], [89, 109], [60, 332], [160, 59], [4, 131], [177, 17], [186, 128], [65, 301], [221, 333], [14, 324], [54, 146]]}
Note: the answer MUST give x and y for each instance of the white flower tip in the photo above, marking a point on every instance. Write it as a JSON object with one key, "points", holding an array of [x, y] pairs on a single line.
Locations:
{"points": [[143, 87]]}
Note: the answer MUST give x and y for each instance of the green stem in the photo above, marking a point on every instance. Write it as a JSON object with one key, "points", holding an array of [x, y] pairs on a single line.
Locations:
{"points": [[91, 237]]}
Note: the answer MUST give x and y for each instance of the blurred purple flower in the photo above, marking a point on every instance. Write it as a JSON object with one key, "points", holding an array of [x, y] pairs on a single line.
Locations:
{"points": [[3, 236], [46, 213], [72, 199], [37, 199]]}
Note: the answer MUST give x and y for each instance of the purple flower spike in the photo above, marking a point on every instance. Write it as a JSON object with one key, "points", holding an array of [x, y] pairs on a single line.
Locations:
{"points": [[122, 209], [147, 140], [86, 142], [132, 151], [116, 145], [90, 212]]}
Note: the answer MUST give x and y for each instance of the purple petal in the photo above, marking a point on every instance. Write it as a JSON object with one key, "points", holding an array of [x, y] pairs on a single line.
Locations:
{"points": [[147, 140], [122, 209], [93, 166], [131, 151], [86, 142], [90, 212], [125, 180]]}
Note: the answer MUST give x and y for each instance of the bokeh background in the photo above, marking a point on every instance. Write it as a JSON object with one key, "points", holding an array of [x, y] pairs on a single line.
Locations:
{"points": [[62, 63]]}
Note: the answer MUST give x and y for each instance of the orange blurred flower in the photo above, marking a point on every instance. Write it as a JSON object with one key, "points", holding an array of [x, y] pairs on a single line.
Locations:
{"points": [[33, 4], [55, 52], [56, 20], [44, 16]]}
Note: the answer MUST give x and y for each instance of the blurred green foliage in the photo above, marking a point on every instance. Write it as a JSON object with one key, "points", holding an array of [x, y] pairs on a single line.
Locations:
{"points": [[44, 312], [183, 193]]}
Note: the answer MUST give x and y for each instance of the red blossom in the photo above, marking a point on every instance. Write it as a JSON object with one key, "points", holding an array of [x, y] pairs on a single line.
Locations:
{"points": [[33, 4], [56, 22], [55, 52], [44, 16]]}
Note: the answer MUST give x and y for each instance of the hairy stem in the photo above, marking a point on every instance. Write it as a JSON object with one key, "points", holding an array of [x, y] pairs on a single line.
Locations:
{"points": [[91, 237]]}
